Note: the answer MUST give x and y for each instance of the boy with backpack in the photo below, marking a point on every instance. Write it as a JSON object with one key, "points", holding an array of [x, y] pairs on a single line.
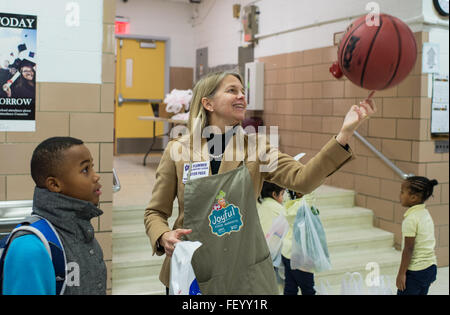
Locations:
{"points": [[55, 251]]}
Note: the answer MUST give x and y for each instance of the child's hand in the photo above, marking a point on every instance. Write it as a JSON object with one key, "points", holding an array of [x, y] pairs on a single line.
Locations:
{"points": [[401, 282]]}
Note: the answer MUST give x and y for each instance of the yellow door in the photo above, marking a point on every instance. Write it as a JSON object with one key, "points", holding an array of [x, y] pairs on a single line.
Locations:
{"points": [[139, 76]]}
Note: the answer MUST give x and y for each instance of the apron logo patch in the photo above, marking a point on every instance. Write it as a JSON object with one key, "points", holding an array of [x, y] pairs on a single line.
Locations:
{"points": [[224, 218]]}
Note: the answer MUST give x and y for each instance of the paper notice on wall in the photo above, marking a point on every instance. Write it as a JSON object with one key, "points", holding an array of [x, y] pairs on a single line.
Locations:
{"points": [[439, 105], [430, 58], [17, 72]]}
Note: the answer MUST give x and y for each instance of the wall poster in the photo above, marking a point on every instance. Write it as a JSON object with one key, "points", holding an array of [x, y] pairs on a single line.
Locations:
{"points": [[439, 105], [17, 72]]}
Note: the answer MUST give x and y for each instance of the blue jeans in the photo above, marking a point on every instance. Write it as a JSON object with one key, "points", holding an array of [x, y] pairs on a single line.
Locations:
{"points": [[297, 278], [418, 282]]}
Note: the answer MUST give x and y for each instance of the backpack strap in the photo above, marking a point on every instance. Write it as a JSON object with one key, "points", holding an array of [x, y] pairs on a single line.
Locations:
{"points": [[57, 251], [43, 229]]}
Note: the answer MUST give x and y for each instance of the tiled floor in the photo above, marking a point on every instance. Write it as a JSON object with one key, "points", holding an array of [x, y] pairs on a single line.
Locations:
{"points": [[136, 180], [136, 187], [440, 286]]}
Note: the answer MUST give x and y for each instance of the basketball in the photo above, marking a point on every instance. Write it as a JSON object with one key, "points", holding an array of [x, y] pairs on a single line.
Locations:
{"points": [[377, 56]]}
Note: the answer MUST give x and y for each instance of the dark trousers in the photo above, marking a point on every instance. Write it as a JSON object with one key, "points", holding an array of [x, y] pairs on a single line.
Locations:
{"points": [[297, 278], [418, 282]]}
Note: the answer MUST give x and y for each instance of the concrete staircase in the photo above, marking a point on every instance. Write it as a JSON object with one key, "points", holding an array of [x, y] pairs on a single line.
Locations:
{"points": [[353, 242], [135, 270]]}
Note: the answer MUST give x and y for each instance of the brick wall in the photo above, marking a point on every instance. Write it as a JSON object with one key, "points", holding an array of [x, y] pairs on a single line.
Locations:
{"points": [[79, 110], [308, 105]]}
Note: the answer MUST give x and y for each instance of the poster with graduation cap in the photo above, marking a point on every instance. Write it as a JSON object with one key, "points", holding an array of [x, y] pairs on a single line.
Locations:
{"points": [[17, 72]]}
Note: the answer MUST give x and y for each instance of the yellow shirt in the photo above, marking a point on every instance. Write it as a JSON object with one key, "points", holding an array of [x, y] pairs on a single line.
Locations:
{"points": [[292, 207], [268, 210], [418, 223]]}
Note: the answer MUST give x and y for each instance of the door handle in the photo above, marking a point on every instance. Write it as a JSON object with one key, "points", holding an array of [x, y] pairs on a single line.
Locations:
{"points": [[154, 102]]}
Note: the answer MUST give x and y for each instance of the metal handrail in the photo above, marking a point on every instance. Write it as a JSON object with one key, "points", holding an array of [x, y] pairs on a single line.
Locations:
{"points": [[116, 182], [388, 162], [12, 213]]}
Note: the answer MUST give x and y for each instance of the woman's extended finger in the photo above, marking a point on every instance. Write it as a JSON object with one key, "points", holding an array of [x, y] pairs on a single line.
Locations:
{"points": [[371, 102], [367, 108]]}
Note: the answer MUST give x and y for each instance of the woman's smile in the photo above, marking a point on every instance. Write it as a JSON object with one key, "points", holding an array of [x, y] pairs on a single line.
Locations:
{"points": [[239, 106]]}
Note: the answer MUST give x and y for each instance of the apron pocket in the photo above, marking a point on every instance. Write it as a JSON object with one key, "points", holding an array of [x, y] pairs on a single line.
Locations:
{"points": [[262, 278], [212, 286], [235, 284], [258, 279]]}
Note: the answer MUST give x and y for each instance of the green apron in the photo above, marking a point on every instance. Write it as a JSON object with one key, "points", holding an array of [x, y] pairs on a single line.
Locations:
{"points": [[234, 258]]}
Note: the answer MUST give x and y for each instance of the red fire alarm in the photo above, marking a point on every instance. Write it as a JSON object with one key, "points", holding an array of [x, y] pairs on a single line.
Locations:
{"points": [[122, 25]]}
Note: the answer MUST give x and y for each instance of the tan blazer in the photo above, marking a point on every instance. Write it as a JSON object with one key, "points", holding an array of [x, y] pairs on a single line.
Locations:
{"points": [[284, 171]]}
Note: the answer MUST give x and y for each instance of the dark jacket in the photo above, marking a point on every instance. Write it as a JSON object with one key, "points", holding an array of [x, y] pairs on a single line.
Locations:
{"points": [[86, 270], [22, 89]]}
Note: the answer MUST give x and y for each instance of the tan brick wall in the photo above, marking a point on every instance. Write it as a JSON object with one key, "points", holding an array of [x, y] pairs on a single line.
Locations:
{"points": [[309, 105], [84, 111]]}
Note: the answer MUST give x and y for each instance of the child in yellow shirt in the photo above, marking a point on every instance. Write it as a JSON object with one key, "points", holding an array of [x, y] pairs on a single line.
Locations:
{"points": [[270, 205], [295, 278], [418, 266]]}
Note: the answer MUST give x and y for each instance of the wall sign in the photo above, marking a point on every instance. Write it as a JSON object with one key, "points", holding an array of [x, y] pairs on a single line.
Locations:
{"points": [[430, 58], [17, 72], [439, 105]]}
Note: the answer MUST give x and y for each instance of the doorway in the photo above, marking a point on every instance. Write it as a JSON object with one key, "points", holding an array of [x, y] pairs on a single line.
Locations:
{"points": [[142, 76]]}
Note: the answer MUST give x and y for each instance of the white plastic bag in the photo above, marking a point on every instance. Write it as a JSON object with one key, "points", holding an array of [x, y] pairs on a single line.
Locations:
{"points": [[182, 277], [323, 288], [352, 284], [383, 288], [275, 236], [309, 244]]}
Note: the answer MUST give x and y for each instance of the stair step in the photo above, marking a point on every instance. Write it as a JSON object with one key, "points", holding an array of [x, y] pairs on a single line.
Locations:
{"points": [[125, 246], [388, 261], [333, 197], [128, 216], [128, 230], [142, 285], [128, 268], [347, 218], [133, 215], [353, 242], [137, 258], [131, 238], [348, 241]]}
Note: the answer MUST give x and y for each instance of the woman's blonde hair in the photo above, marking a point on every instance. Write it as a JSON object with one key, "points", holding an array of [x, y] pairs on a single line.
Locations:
{"points": [[206, 87]]}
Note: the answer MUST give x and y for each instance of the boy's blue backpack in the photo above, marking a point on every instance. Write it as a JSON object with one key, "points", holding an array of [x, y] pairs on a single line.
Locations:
{"points": [[46, 233]]}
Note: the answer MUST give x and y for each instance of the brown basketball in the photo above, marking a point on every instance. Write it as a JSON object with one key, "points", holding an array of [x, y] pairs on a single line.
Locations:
{"points": [[380, 56]]}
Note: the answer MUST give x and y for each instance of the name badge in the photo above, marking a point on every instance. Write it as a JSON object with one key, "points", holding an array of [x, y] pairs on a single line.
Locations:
{"points": [[199, 169]]}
